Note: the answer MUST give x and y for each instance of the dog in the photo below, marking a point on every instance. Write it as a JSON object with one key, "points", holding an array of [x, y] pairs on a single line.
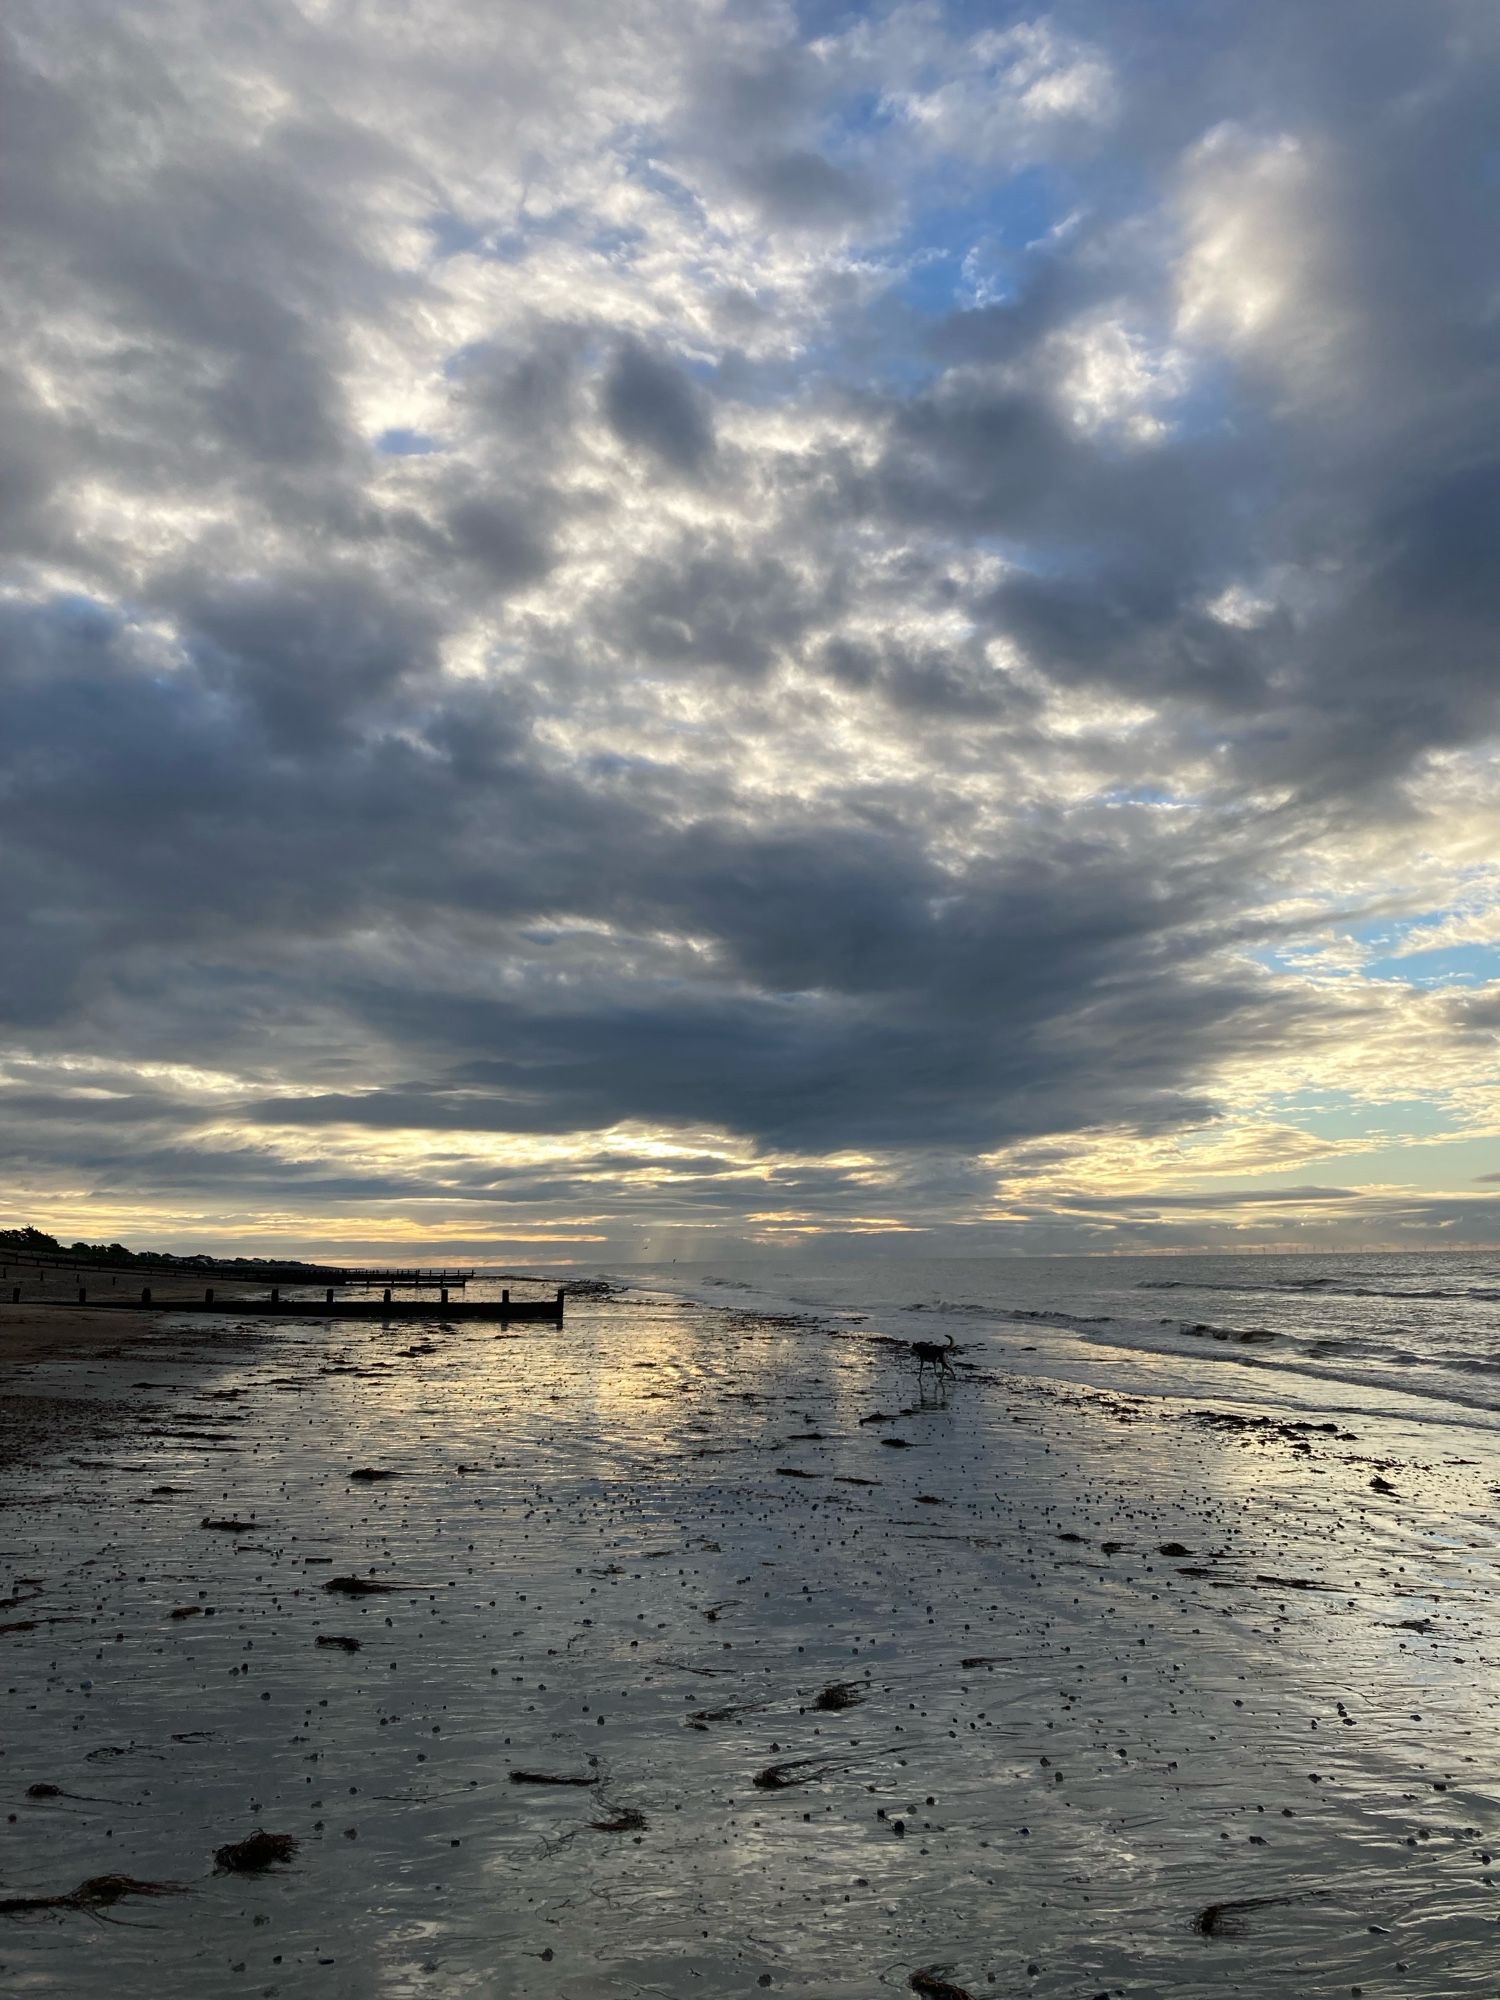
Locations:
{"points": [[934, 1354]]}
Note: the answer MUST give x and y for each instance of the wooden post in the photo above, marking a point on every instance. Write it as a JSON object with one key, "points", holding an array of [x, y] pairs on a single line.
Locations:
{"points": [[559, 1301], [15, 1295], [328, 1296], [208, 1296], [505, 1295], [443, 1296], [145, 1295], [276, 1295], [387, 1294], [82, 1295]]}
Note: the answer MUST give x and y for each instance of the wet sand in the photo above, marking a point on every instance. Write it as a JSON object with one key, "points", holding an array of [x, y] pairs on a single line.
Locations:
{"points": [[47, 1322], [1130, 1695]]}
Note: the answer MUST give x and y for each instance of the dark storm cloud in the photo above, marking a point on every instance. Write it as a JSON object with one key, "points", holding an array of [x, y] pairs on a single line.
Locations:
{"points": [[35, 456], [654, 404], [208, 258], [856, 997], [499, 538], [526, 392], [707, 606], [1134, 631], [950, 682], [308, 655], [1077, 984], [428, 699], [803, 190]]}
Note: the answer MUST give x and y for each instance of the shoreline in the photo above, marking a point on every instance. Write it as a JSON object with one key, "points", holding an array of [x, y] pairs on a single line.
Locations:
{"points": [[1109, 1663], [1181, 1358]]}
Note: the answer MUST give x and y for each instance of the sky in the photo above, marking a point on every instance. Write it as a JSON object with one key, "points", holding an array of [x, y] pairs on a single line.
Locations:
{"points": [[690, 628]]}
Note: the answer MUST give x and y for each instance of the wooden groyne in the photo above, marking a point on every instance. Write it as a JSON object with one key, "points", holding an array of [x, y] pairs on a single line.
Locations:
{"points": [[504, 1308]]}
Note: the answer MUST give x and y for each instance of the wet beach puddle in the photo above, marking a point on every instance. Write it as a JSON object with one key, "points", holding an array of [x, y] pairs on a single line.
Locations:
{"points": [[1114, 1699]]}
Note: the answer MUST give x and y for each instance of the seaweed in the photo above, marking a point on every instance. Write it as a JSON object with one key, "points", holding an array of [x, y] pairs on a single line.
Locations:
{"points": [[730, 1711], [92, 1897], [838, 1695], [796, 1771], [926, 1982], [1227, 1920], [253, 1855]]}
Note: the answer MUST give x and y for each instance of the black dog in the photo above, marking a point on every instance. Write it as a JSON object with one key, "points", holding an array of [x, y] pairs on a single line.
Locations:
{"points": [[934, 1355]]}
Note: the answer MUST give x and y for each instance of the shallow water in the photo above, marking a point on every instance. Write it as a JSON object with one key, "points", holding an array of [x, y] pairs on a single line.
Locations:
{"points": [[1419, 1327], [594, 1540]]}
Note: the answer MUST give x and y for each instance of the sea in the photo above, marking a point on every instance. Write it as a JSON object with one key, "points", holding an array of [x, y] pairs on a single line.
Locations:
{"points": [[1415, 1334]]}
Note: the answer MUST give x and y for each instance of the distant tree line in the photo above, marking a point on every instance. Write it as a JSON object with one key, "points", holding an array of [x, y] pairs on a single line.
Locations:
{"points": [[29, 1242]]}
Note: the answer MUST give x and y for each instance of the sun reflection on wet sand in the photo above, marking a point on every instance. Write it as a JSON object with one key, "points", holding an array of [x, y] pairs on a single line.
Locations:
{"points": [[1107, 1665]]}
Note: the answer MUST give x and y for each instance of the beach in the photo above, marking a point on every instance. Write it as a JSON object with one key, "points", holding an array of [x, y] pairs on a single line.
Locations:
{"points": [[692, 1649]]}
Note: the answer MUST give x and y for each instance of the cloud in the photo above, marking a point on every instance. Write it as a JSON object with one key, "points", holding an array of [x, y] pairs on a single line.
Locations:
{"points": [[654, 405], [1002, 95], [308, 655], [946, 588], [802, 189]]}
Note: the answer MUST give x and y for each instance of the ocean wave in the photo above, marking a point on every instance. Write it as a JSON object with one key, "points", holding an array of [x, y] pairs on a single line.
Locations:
{"points": [[1060, 1318], [1202, 1330], [1324, 1287], [966, 1308], [1433, 1379], [969, 1309], [957, 1306]]}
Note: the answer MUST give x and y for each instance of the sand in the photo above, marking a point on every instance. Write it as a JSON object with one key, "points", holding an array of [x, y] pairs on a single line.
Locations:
{"points": [[1132, 1695], [48, 1321], [44, 1327]]}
